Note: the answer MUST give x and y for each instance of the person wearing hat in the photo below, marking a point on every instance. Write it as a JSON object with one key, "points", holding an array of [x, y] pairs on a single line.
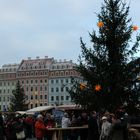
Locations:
{"points": [[40, 128], [65, 122], [105, 129]]}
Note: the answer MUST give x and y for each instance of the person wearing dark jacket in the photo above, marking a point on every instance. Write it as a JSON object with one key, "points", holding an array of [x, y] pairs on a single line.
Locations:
{"points": [[83, 120], [93, 133], [1, 128]]}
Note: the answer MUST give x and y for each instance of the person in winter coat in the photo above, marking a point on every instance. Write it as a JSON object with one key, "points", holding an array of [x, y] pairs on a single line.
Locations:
{"points": [[105, 129], [65, 122], [40, 128], [83, 120], [1, 128], [118, 130], [49, 123], [93, 133]]}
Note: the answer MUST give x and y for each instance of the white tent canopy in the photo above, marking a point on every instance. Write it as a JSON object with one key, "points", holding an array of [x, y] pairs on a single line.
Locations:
{"points": [[69, 107], [39, 109]]}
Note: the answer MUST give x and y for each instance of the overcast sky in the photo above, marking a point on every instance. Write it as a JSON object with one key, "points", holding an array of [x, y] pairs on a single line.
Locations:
{"points": [[30, 28]]}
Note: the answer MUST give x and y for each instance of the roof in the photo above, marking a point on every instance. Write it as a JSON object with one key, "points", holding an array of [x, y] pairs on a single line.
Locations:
{"points": [[39, 109], [69, 107]]}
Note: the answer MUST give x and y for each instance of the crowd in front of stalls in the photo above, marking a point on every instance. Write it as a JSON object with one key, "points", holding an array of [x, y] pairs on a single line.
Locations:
{"points": [[101, 126]]}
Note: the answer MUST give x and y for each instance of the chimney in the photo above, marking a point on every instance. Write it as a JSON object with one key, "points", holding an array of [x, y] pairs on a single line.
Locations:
{"points": [[46, 57], [29, 58]]}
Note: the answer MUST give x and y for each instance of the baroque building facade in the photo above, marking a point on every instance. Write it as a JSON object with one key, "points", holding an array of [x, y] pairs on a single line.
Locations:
{"points": [[45, 81]]}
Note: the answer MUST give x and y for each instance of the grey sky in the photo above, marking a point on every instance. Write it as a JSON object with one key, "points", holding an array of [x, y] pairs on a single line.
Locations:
{"points": [[30, 28]]}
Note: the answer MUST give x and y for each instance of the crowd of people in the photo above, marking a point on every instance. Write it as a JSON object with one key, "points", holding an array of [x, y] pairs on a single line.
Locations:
{"points": [[100, 126]]}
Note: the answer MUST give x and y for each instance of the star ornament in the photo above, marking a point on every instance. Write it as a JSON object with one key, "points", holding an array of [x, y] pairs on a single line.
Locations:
{"points": [[135, 28], [82, 86], [97, 87], [100, 24]]}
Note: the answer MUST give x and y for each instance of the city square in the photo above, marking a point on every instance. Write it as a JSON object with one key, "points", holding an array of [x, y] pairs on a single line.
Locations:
{"points": [[87, 87]]}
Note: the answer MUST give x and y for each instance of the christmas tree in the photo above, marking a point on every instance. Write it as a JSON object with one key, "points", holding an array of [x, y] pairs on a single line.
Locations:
{"points": [[109, 67], [18, 100]]}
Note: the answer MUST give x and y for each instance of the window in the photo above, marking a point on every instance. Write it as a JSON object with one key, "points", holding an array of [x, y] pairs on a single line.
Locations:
{"points": [[62, 73], [56, 81], [62, 89], [36, 81], [40, 81], [67, 88], [31, 105], [57, 98], [45, 88], [35, 96], [41, 88], [67, 97], [67, 81], [35, 88], [52, 89], [62, 81], [31, 88], [52, 98], [52, 81], [45, 96], [31, 81], [57, 89], [45, 81], [40, 96], [26, 88], [62, 97], [31, 97]]}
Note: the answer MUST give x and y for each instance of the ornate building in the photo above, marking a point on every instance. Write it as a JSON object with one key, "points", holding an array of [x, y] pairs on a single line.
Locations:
{"points": [[45, 81], [7, 84]]}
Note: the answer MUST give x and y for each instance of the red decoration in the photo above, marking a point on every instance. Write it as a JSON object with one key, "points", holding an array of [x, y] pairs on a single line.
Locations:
{"points": [[135, 28], [97, 87]]}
